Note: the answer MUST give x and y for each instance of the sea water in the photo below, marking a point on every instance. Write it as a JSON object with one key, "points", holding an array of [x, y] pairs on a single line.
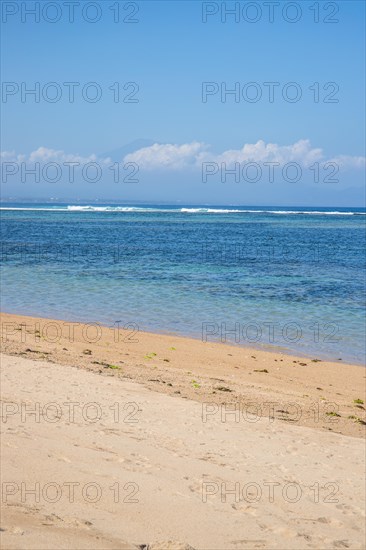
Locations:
{"points": [[274, 278]]}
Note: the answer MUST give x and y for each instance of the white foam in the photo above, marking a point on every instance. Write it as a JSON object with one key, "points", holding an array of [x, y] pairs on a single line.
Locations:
{"points": [[90, 208]]}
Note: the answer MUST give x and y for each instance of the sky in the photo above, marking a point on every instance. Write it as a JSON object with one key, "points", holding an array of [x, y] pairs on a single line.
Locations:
{"points": [[193, 102]]}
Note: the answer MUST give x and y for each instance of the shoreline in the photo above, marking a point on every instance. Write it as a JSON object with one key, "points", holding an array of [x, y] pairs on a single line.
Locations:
{"points": [[276, 385], [266, 348]]}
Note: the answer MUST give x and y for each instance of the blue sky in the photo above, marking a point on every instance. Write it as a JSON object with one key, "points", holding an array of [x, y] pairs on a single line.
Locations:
{"points": [[169, 53]]}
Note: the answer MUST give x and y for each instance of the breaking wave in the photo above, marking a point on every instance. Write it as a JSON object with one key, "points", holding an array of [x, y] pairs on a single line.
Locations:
{"points": [[179, 210]]}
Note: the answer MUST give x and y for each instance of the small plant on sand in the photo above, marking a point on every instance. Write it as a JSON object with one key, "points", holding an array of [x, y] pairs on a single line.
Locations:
{"points": [[357, 420], [332, 413], [166, 360], [115, 367], [150, 355], [173, 349], [358, 401], [195, 384]]}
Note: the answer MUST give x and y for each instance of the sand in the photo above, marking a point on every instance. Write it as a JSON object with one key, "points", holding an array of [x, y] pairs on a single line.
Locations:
{"points": [[277, 386], [154, 468]]}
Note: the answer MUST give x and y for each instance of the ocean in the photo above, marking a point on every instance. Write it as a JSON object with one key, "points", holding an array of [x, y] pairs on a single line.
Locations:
{"points": [[290, 279]]}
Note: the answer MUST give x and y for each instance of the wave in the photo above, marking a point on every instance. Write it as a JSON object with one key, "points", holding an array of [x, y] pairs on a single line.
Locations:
{"points": [[315, 212], [284, 212], [32, 209], [186, 210], [201, 210], [209, 211], [111, 209]]}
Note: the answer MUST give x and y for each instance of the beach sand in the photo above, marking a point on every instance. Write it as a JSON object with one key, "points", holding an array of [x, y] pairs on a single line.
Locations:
{"points": [[172, 442]]}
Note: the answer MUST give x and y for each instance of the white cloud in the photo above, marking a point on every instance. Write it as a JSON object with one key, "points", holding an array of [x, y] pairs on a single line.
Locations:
{"points": [[300, 152], [44, 155], [7, 155], [167, 155], [345, 161]]}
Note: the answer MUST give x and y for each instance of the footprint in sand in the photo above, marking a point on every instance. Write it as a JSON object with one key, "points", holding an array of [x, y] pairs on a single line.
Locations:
{"points": [[284, 531], [166, 545], [251, 542], [16, 530], [243, 507], [341, 544], [197, 485], [138, 463]]}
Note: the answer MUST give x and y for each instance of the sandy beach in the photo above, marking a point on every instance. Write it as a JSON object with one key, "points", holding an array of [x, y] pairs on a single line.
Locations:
{"points": [[154, 441], [182, 276]]}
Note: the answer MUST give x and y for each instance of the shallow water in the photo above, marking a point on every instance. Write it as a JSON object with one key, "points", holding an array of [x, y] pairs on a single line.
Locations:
{"points": [[286, 277]]}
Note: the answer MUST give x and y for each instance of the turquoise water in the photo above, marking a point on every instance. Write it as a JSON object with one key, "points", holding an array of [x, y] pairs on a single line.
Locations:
{"points": [[290, 278]]}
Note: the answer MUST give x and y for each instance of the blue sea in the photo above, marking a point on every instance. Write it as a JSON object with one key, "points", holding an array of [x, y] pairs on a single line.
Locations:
{"points": [[272, 278]]}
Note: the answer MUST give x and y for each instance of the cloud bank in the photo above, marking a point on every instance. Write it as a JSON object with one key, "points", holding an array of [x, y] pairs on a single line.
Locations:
{"points": [[174, 157], [177, 157], [44, 155]]}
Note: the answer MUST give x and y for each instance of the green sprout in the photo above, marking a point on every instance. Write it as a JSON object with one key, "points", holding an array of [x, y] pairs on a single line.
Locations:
{"points": [[150, 355]]}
